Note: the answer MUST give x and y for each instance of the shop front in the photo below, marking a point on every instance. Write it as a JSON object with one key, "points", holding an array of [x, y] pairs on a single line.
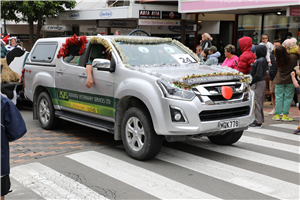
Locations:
{"points": [[280, 19]]}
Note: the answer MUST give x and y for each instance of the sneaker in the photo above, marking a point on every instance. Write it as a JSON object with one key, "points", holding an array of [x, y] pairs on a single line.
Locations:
{"points": [[297, 104], [276, 118], [286, 118], [281, 114], [255, 125], [297, 131], [272, 112]]}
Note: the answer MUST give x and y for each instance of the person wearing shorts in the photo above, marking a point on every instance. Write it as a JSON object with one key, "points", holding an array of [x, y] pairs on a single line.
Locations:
{"points": [[12, 128]]}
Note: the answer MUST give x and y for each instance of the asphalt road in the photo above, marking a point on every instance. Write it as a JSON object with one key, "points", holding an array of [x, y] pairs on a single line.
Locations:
{"points": [[75, 162]]}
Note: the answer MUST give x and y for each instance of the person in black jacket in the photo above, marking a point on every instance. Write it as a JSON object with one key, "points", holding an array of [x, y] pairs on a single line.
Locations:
{"points": [[258, 84], [12, 128], [272, 73]]}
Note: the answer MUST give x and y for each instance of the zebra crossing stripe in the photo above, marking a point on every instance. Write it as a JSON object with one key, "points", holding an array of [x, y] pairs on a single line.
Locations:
{"points": [[288, 126], [142, 179], [50, 184], [270, 144], [278, 134], [247, 155], [253, 181]]}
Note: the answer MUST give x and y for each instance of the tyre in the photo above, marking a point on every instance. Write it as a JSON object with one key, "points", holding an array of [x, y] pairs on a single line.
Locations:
{"points": [[45, 112], [138, 136], [226, 139]]}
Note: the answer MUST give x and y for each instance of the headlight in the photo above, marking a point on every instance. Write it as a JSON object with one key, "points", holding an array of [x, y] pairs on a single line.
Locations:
{"points": [[175, 93]]}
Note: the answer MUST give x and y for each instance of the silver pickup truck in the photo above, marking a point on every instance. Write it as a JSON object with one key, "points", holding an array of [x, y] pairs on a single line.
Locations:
{"points": [[144, 90]]}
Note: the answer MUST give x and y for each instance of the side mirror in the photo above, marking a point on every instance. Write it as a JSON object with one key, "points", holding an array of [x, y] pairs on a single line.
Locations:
{"points": [[101, 64]]}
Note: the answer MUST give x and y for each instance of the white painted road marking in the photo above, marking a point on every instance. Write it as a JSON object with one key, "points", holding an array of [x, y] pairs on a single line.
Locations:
{"points": [[145, 180], [247, 155], [288, 126], [50, 184], [270, 144], [278, 134], [254, 181]]}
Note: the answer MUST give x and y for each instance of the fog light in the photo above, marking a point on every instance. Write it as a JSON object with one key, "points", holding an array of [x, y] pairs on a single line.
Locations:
{"points": [[177, 116]]}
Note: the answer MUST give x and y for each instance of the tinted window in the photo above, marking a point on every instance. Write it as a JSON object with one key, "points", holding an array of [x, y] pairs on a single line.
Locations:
{"points": [[44, 52]]}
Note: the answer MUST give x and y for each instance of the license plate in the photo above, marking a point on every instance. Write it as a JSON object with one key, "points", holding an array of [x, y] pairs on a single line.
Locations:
{"points": [[225, 125]]}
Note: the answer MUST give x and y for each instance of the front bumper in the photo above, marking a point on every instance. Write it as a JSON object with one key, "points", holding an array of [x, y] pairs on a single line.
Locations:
{"points": [[194, 126]]}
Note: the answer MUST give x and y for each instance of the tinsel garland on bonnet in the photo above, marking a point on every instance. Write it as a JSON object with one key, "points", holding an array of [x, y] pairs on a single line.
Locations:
{"points": [[239, 75], [77, 46]]}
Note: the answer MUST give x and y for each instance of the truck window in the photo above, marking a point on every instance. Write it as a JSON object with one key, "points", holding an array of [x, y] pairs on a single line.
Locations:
{"points": [[74, 60], [98, 51], [40, 55]]}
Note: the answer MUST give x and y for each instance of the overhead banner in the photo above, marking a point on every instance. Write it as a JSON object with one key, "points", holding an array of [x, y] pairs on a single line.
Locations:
{"points": [[155, 22], [116, 23], [192, 6]]}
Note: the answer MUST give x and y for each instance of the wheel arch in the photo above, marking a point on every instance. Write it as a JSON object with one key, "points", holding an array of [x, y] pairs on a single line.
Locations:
{"points": [[38, 90], [123, 105]]}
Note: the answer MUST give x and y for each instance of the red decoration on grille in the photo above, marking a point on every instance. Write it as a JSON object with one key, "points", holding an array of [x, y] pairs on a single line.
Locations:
{"points": [[226, 92]]}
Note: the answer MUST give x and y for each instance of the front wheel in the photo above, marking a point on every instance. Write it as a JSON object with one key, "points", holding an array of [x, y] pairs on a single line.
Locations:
{"points": [[226, 139], [138, 136], [45, 112]]}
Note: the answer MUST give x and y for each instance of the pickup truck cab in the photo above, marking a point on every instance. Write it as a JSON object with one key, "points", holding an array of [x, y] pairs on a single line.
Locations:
{"points": [[145, 90]]}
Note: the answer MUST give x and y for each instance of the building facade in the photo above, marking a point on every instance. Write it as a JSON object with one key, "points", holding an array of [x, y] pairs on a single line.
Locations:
{"points": [[280, 19]]}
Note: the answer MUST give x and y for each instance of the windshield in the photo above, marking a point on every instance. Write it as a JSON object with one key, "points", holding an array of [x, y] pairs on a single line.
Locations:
{"points": [[151, 54]]}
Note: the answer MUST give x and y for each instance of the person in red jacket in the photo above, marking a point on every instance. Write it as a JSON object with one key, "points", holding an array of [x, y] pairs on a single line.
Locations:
{"points": [[247, 57]]}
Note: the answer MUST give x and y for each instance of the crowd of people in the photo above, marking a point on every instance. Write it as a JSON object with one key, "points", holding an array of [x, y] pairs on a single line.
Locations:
{"points": [[278, 60]]}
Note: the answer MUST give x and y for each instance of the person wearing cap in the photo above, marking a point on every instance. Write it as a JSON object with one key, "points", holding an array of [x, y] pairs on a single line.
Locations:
{"points": [[211, 55], [3, 49], [13, 44]]}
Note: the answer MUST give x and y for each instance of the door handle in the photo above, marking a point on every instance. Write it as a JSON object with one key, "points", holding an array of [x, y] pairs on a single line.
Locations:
{"points": [[83, 75], [108, 84], [60, 71]]}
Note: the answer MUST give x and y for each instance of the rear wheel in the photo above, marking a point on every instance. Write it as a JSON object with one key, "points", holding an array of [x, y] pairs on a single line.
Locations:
{"points": [[139, 138], [226, 139], [45, 112]]}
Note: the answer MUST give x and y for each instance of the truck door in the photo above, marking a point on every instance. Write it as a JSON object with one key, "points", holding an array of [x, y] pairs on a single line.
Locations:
{"points": [[100, 98], [66, 79]]}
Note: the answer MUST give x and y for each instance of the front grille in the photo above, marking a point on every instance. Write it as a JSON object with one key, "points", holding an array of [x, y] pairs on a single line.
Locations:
{"points": [[212, 115], [221, 98]]}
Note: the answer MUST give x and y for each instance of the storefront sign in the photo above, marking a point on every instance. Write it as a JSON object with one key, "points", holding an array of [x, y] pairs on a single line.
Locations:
{"points": [[74, 15], [188, 28], [105, 14], [112, 13], [170, 15], [188, 6], [92, 29], [116, 24], [150, 22], [60, 28], [294, 11], [149, 14]]}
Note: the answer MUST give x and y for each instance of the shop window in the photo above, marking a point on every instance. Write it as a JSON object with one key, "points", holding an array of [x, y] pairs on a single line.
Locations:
{"points": [[277, 26], [40, 55], [249, 25]]}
